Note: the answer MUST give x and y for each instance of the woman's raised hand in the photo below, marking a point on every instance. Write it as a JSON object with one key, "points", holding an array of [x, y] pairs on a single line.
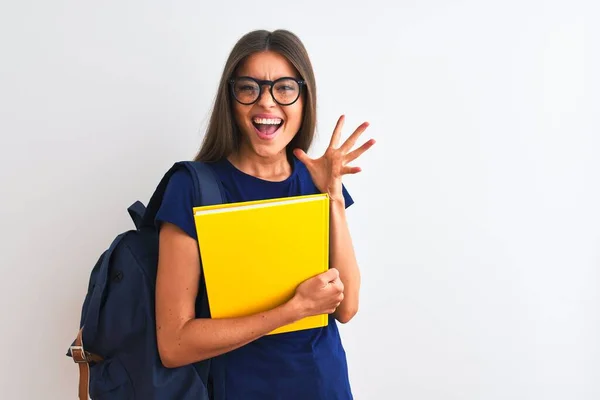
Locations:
{"points": [[327, 170]]}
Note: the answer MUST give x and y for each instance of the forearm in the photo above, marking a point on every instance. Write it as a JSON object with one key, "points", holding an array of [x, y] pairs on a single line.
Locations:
{"points": [[343, 258], [203, 338]]}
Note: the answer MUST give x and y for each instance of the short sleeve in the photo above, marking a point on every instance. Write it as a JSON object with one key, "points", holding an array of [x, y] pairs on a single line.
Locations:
{"points": [[176, 207], [348, 200]]}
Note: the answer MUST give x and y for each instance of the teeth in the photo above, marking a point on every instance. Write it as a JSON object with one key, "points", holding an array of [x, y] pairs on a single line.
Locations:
{"points": [[267, 121]]}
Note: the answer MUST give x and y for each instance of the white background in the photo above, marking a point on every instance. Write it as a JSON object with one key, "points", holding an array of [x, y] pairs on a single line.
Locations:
{"points": [[477, 215]]}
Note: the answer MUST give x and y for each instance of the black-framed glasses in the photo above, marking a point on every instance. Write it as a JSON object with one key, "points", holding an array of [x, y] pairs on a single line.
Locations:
{"points": [[247, 90]]}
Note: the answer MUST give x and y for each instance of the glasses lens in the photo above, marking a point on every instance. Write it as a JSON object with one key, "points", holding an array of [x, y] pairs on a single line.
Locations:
{"points": [[286, 91], [245, 90]]}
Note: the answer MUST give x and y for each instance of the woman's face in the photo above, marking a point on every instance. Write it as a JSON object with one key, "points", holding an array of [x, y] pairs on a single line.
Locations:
{"points": [[266, 126]]}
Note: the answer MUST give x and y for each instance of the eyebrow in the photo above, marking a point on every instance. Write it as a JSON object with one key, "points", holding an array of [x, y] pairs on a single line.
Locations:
{"points": [[294, 76]]}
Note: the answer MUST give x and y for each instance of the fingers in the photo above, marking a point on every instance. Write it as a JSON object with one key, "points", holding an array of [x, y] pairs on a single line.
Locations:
{"points": [[336, 289], [353, 155], [338, 285], [347, 170], [349, 143], [330, 275], [302, 156], [337, 300], [337, 132], [339, 292], [332, 289], [327, 277]]}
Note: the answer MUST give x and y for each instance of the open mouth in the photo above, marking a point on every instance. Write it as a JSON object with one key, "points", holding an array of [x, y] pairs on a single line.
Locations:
{"points": [[267, 127]]}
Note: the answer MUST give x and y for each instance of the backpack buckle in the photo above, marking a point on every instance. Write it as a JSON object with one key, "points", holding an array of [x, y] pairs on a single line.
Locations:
{"points": [[79, 355]]}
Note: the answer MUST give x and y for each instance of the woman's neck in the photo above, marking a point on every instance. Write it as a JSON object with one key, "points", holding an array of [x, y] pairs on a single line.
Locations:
{"points": [[275, 168]]}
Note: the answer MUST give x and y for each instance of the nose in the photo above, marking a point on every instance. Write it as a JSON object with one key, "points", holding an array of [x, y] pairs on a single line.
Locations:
{"points": [[266, 100]]}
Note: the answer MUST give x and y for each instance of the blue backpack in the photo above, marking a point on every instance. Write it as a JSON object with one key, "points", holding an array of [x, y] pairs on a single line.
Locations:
{"points": [[116, 347]]}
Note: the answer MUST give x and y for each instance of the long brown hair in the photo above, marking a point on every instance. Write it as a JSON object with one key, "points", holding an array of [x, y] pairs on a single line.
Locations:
{"points": [[222, 135]]}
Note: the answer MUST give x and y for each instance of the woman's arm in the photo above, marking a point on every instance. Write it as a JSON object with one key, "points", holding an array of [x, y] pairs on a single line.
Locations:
{"points": [[183, 339], [343, 258], [326, 173]]}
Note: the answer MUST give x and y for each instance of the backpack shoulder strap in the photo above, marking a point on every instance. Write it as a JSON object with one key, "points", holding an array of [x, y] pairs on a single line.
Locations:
{"points": [[208, 189]]}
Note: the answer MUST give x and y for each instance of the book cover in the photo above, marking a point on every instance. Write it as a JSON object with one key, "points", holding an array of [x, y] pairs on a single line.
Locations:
{"points": [[254, 254]]}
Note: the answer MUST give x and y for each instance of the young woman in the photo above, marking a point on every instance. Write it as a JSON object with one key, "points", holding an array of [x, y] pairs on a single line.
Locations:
{"points": [[261, 127]]}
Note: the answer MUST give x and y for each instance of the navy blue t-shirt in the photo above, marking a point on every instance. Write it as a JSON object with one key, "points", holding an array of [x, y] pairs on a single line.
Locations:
{"points": [[302, 365]]}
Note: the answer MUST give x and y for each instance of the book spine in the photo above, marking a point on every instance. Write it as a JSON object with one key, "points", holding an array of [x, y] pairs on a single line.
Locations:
{"points": [[326, 228]]}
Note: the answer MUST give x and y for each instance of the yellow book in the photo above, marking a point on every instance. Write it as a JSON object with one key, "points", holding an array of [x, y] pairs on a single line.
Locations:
{"points": [[254, 254]]}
